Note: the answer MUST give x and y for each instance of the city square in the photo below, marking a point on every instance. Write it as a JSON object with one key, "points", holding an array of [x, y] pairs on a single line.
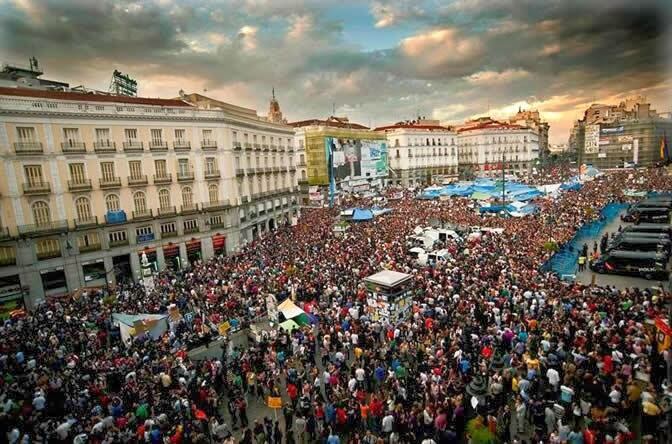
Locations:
{"points": [[423, 237]]}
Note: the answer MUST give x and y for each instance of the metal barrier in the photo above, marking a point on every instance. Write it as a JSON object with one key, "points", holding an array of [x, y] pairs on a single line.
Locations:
{"points": [[565, 261]]}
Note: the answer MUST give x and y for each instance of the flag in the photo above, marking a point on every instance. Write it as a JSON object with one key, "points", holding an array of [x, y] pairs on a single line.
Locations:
{"points": [[664, 153], [608, 266]]}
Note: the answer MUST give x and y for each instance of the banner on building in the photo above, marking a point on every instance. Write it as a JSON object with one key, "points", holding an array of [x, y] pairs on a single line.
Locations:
{"points": [[635, 151], [626, 147], [616, 130], [591, 141]]}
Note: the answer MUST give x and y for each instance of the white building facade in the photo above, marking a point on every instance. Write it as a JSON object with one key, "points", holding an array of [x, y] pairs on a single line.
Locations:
{"points": [[91, 182], [421, 153], [485, 147]]}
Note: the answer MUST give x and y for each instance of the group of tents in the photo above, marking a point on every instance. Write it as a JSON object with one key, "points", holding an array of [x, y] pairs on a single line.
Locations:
{"points": [[485, 189], [487, 192]]}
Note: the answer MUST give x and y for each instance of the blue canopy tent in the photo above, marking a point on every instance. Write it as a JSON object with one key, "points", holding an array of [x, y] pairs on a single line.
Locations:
{"points": [[361, 215]]}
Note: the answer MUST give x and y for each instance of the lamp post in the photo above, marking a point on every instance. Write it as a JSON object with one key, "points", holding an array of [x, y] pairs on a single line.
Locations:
{"points": [[503, 179]]}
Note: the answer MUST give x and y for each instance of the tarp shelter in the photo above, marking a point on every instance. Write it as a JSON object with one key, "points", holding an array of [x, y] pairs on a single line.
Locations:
{"points": [[133, 326], [289, 325], [479, 195], [380, 211], [290, 311], [361, 215]]}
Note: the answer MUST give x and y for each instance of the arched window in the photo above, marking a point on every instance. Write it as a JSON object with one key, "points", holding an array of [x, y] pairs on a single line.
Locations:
{"points": [[140, 202], [112, 202], [164, 199], [213, 192], [83, 208], [41, 213], [187, 197]]}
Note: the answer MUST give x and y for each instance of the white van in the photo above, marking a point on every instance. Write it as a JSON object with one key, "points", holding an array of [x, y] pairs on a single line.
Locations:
{"points": [[438, 256]]}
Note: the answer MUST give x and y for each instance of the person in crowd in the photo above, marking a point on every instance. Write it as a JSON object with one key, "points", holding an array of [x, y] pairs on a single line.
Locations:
{"points": [[493, 349]]}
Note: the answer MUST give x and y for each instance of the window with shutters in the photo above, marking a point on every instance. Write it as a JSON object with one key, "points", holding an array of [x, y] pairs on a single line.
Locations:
{"points": [[41, 213], [107, 170], [190, 225], [83, 208], [112, 202], [180, 134], [210, 165], [183, 168], [131, 134], [213, 192], [26, 134], [187, 196], [102, 134], [164, 199], [88, 240], [168, 227], [140, 231], [160, 168], [140, 202], [7, 255], [156, 135], [135, 169], [235, 136], [117, 236], [47, 248], [71, 135], [207, 134], [33, 174], [77, 173]]}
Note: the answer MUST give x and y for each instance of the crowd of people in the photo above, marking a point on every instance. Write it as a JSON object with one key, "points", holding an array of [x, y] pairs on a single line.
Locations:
{"points": [[494, 350]]}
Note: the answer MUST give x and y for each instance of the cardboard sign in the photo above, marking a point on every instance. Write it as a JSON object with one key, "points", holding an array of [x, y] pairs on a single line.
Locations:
{"points": [[274, 402]]}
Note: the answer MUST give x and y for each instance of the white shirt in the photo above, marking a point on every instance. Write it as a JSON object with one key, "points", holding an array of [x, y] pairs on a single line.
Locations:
{"points": [[553, 376], [360, 374], [387, 423]]}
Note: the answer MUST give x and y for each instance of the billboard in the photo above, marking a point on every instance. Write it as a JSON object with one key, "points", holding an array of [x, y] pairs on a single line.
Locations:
{"points": [[356, 158], [592, 139]]}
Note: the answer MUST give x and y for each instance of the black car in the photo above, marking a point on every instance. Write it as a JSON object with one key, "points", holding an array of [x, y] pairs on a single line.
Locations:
{"points": [[649, 265]]}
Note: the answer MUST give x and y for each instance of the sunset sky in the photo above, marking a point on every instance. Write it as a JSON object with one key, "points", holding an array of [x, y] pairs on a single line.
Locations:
{"points": [[378, 61]]}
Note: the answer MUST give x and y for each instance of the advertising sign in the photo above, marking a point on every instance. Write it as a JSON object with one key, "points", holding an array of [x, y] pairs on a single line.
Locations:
{"points": [[592, 139], [623, 139], [616, 130], [357, 158], [626, 147]]}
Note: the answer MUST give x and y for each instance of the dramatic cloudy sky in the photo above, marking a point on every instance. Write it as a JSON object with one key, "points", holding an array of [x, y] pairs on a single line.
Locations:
{"points": [[379, 61]]}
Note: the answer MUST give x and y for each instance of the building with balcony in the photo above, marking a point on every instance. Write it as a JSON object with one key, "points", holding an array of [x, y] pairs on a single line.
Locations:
{"points": [[486, 147], [421, 152], [90, 182], [613, 136], [313, 162]]}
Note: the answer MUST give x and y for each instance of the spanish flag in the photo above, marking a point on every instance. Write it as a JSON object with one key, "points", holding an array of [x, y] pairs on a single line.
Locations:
{"points": [[664, 154]]}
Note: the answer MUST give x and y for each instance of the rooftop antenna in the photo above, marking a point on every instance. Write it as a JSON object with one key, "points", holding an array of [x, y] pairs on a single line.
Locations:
{"points": [[33, 64], [273, 92], [333, 109]]}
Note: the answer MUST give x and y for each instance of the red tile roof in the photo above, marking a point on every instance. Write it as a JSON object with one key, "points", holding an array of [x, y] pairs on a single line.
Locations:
{"points": [[89, 97]]}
